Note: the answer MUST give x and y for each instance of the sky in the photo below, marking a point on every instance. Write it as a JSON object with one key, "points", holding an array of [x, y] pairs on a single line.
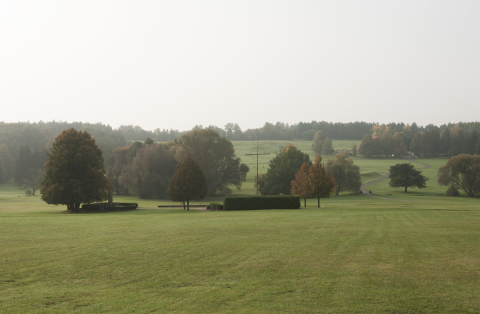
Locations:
{"points": [[177, 64]]}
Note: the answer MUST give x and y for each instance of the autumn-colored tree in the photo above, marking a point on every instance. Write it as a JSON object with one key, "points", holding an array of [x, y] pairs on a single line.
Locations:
{"points": [[75, 172], [318, 140], [346, 174], [321, 183], [406, 176], [188, 182], [462, 171], [301, 184]]}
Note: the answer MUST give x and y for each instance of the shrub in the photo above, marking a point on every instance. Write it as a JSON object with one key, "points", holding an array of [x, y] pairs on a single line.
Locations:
{"points": [[261, 202], [452, 191]]}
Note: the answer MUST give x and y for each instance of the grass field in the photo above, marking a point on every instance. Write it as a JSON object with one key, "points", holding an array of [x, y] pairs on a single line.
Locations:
{"points": [[354, 255]]}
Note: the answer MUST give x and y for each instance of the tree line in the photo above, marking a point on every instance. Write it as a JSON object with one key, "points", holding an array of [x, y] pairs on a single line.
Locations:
{"points": [[205, 162], [448, 140]]}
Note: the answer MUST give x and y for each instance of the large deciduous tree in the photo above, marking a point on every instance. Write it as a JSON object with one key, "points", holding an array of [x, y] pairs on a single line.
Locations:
{"points": [[406, 176], [346, 174], [462, 171], [149, 174], [75, 172], [188, 182], [216, 156], [282, 170]]}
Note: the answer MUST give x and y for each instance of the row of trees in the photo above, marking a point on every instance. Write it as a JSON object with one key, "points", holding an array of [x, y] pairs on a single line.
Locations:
{"points": [[75, 173], [291, 162], [312, 181], [42, 134], [145, 169], [451, 140]]}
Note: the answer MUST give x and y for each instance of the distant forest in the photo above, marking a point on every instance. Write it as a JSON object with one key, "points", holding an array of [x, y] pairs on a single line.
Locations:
{"points": [[451, 139]]}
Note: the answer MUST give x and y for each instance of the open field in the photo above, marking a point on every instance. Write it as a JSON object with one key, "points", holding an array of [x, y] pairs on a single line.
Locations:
{"points": [[364, 256], [356, 254]]}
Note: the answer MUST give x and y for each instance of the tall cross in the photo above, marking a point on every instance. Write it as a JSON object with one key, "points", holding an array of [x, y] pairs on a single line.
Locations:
{"points": [[257, 154]]}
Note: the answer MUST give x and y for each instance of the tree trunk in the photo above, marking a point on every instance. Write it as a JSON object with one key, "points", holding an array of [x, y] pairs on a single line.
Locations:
{"points": [[319, 202], [405, 189], [183, 204], [188, 205], [305, 202]]}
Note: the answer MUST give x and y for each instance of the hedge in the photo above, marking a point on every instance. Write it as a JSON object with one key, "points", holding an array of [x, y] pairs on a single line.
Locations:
{"points": [[106, 207], [216, 206], [261, 202]]}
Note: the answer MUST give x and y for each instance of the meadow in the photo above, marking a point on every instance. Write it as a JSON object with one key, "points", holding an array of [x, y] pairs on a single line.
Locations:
{"points": [[356, 254]]}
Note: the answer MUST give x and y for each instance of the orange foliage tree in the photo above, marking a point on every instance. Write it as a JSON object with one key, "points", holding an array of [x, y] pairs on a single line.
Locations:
{"points": [[322, 185], [313, 181], [301, 184]]}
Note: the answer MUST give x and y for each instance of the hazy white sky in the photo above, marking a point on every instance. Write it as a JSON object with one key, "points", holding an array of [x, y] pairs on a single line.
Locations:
{"points": [[175, 64]]}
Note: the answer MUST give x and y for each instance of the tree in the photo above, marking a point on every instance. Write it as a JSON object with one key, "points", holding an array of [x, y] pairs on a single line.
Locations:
{"points": [[75, 172], [416, 146], [32, 180], [345, 173], [327, 148], [6, 164], [282, 170], [354, 149], [318, 140], [216, 156], [405, 175], [462, 171], [188, 182], [301, 183], [149, 174], [321, 183]]}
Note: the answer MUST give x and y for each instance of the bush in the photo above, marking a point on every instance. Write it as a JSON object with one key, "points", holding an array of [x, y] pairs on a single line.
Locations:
{"points": [[216, 206], [261, 202], [452, 191]]}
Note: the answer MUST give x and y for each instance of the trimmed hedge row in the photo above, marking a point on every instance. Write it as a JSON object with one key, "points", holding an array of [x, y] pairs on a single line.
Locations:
{"points": [[261, 202], [216, 206], [106, 207]]}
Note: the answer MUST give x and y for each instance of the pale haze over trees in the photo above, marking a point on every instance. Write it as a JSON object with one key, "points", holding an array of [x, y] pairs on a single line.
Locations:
{"points": [[143, 62]]}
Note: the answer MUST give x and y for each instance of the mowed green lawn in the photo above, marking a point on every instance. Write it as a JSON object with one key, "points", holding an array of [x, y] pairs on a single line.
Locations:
{"points": [[353, 255]]}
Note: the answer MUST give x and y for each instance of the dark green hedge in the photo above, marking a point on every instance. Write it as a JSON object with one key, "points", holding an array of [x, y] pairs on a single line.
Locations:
{"points": [[216, 206], [261, 202], [103, 207]]}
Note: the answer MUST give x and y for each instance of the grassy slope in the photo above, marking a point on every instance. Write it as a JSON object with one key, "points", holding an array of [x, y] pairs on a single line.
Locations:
{"points": [[355, 254]]}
